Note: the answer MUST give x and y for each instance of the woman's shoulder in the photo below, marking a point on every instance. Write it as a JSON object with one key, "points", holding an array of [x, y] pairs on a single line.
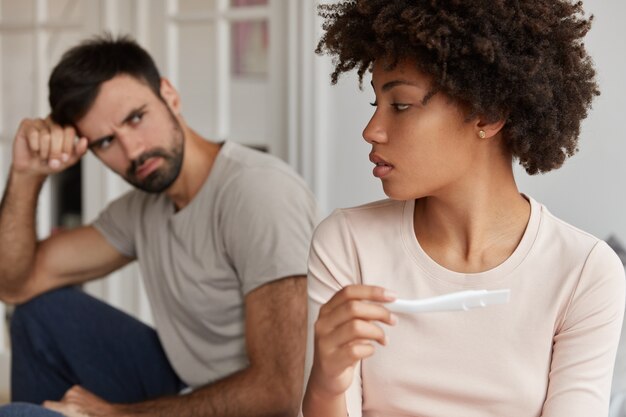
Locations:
{"points": [[571, 241], [556, 229], [366, 215], [368, 218]]}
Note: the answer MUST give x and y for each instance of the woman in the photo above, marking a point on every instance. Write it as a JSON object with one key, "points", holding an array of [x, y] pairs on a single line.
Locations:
{"points": [[463, 88]]}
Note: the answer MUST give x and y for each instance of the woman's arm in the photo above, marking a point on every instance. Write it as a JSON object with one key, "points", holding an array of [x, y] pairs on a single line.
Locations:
{"points": [[586, 340], [345, 329]]}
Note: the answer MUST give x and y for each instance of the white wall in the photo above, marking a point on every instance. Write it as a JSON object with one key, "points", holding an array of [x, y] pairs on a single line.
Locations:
{"points": [[588, 191]]}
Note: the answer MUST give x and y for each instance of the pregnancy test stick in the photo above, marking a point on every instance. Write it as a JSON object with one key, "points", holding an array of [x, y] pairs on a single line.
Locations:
{"points": [[456, 301]]}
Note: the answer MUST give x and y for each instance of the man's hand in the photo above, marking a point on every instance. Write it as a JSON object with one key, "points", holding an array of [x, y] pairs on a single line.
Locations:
{"points": [[43, 147], [78, 402], [40, 148]]}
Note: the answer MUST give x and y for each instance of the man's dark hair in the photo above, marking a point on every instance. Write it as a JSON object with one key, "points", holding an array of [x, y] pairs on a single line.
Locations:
{"points": [[522, 61], [75, 81]]}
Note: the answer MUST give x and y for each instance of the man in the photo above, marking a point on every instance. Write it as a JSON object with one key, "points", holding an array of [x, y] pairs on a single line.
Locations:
{"points": [[221, 234]]}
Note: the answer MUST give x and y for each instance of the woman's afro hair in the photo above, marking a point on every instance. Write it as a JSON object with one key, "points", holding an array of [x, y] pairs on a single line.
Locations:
{"points": [[522, 61]]}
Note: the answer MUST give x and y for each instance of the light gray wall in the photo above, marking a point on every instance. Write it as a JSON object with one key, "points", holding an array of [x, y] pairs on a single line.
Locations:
{"points": [[588, 191]]}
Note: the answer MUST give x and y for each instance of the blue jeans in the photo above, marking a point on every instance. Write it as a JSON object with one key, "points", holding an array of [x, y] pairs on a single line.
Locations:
{"points": [[66, 337], [26, 410]]}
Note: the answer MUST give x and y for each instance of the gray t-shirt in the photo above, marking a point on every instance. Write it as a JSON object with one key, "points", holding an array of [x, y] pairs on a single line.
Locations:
{"points": [[250, 223]]}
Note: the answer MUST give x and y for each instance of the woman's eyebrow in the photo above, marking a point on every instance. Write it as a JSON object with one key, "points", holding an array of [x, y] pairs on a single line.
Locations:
{"points": [[392, 84], [395, 83]]}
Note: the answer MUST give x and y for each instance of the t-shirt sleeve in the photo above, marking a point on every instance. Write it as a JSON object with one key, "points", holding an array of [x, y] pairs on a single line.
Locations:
{"points": [[332, 265], [267, 223], [586, 342], [117, 225]]}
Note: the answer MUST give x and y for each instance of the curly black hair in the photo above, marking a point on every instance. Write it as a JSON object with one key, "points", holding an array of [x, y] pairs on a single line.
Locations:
{"points": [[522, 61]]}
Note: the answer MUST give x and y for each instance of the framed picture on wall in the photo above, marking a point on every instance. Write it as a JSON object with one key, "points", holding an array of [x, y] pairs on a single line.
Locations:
{"points": [[250, 42]]}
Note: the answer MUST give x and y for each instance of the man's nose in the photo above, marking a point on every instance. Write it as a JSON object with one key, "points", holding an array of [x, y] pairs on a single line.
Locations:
{"points": [[132, 145]]}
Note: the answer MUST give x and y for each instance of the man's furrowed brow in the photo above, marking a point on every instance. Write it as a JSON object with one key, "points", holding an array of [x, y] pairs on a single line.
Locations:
{"points": [[98, 141], [133, 113]]}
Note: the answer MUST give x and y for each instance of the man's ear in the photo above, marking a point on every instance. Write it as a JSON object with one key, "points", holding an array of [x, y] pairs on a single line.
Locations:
{"points": [[170, 96], [488, 128]]}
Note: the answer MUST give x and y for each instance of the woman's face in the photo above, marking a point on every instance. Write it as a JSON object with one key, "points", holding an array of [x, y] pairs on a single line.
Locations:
{"points": [[419, 149]]}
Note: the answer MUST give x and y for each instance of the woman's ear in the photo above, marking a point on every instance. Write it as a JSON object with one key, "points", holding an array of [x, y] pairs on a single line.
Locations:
{"points": [[486, 129], [170, 96]]}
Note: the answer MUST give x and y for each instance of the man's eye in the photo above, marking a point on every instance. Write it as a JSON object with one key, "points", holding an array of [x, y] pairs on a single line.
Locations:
{"points": [[136, 118], [104, 143]]}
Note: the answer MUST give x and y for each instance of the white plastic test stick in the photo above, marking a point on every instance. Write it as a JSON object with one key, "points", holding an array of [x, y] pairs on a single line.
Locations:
{"points": [[456, 301]]}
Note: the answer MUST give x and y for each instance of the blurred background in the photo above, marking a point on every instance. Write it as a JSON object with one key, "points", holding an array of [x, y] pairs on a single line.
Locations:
{"points": [[246, 72]]}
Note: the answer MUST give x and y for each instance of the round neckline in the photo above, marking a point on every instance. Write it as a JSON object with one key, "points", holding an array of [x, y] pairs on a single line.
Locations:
{"points": [[207, 185], [474, 279]]}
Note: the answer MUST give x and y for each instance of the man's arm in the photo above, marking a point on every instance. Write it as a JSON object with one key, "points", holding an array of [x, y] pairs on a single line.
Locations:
{"points": [[28, 267], [18, 240], [270, 386], [67, 258]]}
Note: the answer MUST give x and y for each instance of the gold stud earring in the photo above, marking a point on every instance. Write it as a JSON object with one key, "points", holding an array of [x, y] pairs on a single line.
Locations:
{"points": [[482, 134]]}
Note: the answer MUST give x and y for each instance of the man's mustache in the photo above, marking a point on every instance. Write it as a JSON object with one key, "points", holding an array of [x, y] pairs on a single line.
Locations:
{"points": [[137, 162]]}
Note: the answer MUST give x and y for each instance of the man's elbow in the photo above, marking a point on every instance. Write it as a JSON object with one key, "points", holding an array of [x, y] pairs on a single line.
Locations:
{"points": [[286, 400], [287, 410], [16, 294], [11, 296]]}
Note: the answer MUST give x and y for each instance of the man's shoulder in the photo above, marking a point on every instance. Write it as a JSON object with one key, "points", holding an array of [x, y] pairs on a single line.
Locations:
{"points": [[250, 170], [243, 158], [136, 197]]}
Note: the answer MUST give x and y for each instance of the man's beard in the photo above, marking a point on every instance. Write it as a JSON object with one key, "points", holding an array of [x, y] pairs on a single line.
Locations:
{"points": [[161, 178]]}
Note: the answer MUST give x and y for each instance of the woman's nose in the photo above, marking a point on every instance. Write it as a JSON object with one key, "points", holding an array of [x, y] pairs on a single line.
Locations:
{"points": [[374, 132]]}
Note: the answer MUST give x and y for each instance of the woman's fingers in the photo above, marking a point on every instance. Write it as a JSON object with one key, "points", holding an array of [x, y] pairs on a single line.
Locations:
{"points": [[357, 302], [347, 324], [359, 292], [352, 332], [345, 332], [344, 358], [353, 310]]}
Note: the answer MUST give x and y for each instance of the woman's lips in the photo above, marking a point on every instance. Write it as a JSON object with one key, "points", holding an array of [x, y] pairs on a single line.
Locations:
{"points": [[382, 168]]}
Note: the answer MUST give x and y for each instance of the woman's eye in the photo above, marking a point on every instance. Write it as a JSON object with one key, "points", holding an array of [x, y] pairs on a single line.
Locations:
{"points": [[400, 106], [374, 104]]}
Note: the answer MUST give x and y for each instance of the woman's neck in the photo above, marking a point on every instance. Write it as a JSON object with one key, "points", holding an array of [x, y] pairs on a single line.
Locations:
{"points": [[477, 225]]}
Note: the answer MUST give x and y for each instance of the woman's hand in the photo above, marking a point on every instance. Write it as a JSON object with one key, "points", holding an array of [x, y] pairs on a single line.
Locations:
{"points": [[345, 333]]}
